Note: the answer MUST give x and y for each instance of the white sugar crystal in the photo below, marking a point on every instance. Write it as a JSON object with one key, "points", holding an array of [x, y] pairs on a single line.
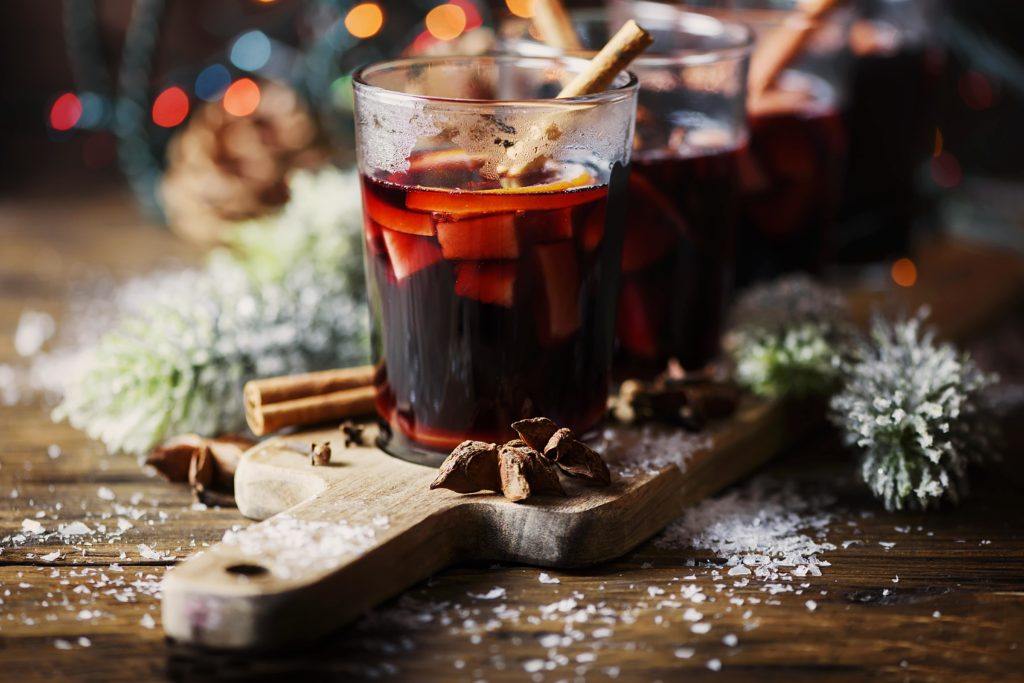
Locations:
{"points": [[53, 451], [492, 594], [124, 524], [730, 640], [886, 544], [34, 329], [31, 527], [692, 615], [547, 578], [533, 665], [147, 621], [811, 605], [74, 529], [602, 633], [147, 553], [684, 652], [50, 557], [715, 664], [936, 614], [738, 570], [106, 493], [701, 627], [84, 642], [61, 644]]}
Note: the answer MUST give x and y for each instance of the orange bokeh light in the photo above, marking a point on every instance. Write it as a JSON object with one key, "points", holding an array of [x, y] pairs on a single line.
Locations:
{"points": [[365, 20], [904, 272], [242, 97], [520, 8], [170, 107], [446, 22]]}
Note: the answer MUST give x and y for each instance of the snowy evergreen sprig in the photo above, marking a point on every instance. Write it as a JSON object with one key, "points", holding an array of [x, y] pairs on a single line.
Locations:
{"points": [[787, 338], [914, 409], [287, 298]]}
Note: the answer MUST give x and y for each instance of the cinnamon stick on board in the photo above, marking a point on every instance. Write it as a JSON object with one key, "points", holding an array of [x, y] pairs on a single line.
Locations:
{"points": [[621, 49], [554, 26], [776, 50], [278, 402]]}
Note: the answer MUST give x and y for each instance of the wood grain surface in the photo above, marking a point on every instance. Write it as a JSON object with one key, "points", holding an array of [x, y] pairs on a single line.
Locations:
{"points": [[956, 613]]}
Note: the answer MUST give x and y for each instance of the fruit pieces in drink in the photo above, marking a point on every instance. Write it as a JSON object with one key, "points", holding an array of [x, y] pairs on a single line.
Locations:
{"points": [[496, 315]]}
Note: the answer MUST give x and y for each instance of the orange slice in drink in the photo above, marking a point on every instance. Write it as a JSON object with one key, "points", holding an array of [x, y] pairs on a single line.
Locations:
{"points": [[559, 315], [548, 196], [409, 253]]}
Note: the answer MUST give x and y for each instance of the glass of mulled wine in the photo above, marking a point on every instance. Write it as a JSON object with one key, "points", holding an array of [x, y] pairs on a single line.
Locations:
{"points": [[492, 247], [679, 249], [890, 114], [792, 176]]}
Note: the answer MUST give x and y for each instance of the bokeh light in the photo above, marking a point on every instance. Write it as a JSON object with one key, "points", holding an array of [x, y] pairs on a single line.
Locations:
{"points": [[170, 107], [65, 112], [212, 82], [904, 272], [251, 51], [520, 8], [365, 20], [946, 171], [242, 97], [446, 22]]}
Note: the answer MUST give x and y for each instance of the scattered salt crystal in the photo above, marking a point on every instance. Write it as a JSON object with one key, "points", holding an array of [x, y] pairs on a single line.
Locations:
{"points": [[701, 627], [85, 615], [936, 614], [547, 578], [61, 644], [84, 642], [147, 553], [106, 493], [124, 525], [715, 664], [738, 570], [31, 527], [34, 329], [53, 451], [730, 640], [811, 605], [74, 529], [50, 557], [147, 621], [692, 615], [492, 594], [602, 633], [886, 544], [533, 665], [585, 657], [550, 640], [896, 579], [847, 544], [684, 652], [655, 591]]}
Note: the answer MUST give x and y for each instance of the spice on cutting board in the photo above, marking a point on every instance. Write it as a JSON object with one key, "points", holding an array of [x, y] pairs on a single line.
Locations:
{"points": [[522, 467]]}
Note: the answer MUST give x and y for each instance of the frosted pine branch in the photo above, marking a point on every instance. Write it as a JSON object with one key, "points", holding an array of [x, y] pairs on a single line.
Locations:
{"points": [[915, 411]]}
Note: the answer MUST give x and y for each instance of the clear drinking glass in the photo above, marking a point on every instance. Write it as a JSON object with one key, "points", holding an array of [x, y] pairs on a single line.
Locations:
{"points": [[492, 296], [793, 175], [678, 255]]}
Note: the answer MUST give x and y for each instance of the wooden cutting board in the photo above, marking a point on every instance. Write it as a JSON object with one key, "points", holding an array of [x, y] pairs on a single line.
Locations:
{"points": [[341, 538]]}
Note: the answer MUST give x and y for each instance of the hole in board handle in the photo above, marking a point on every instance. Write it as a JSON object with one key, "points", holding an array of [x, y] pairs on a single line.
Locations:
{"points": [[246, 570]]}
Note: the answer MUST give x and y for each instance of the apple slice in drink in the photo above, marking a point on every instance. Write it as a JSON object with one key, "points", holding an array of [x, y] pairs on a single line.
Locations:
{"points": [[489, 283], [545, 226], [409, 253], [559, 272], [396, 218], [479, 239]]}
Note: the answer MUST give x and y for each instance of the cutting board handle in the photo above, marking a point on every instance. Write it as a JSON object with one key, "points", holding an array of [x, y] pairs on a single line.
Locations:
{"points": [[298, 575]]}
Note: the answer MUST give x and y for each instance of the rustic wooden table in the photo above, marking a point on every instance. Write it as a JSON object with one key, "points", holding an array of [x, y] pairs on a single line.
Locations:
{"points": [[906, 596]]}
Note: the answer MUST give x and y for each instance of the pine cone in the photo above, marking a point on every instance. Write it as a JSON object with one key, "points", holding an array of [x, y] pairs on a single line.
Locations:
{"points": [[224, 168]]}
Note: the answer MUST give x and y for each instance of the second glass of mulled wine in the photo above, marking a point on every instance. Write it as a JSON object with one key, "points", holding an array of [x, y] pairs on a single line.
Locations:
{"points": [[492, 247], [691, 128]]}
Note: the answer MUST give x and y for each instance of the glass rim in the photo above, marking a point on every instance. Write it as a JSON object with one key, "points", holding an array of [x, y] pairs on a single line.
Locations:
{"points": [[666, 15], [612, 94]]}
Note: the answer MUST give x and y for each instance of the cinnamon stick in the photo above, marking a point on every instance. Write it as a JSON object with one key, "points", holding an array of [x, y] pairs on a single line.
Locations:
{"points": [[621, 49], [554, 26], [775, 51], [279, 402]]}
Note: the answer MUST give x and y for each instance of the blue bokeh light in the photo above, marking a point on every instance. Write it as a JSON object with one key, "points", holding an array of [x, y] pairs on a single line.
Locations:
{"points": [[251, 51], [212, 82]]}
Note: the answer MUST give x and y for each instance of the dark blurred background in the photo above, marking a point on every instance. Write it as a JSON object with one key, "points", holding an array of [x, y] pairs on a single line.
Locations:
{"points": [[93, 90]]}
